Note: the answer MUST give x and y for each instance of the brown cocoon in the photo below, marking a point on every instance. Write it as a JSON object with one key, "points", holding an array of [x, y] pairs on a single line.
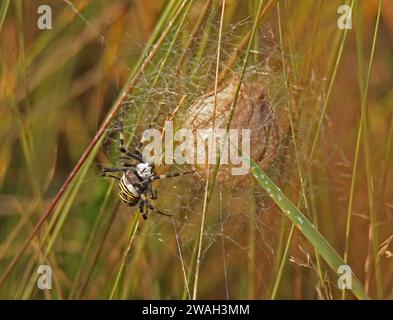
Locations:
{"points": [[252, 111]]}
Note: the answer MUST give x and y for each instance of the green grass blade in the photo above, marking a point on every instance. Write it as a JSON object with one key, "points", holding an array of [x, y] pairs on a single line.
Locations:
{"points": [[3, 12], [282, 264], [319, 243], [133, 229], [329, 90]]}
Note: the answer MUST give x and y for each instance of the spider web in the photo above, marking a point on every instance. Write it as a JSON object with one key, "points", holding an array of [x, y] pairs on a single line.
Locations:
{"points": [[157, 97]]}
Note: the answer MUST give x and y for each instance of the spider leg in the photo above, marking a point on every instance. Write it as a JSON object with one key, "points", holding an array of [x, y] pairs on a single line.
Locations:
{"points": [[128, 165], [138, 148], [169, 175], [111, 176], [122, 146], [125, 159], [106, 170], [152, 192], [142, 142], [121, 141], [141, 205], [163, 213], [150, 206], [135, 156]]}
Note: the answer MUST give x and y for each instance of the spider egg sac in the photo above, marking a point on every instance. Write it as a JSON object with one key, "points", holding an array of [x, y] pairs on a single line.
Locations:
{"points": [[252, 111]]}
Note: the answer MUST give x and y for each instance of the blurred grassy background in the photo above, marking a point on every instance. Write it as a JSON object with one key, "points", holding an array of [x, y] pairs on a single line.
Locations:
{"points": [[57, 86]]}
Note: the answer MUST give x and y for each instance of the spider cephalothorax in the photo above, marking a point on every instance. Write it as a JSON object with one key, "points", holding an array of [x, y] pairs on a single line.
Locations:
{"points": [[145, 170], [136, 180]]}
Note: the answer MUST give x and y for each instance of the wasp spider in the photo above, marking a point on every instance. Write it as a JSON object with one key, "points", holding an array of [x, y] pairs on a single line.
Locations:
{"points": [[137, 177]]}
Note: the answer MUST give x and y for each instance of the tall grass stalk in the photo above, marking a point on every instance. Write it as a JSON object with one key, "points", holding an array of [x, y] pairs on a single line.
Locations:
{"points": [[332, 78], [329, 90], [89, 270], [246, 40], [183, 268], [129, 86], [133, 229], [252, 243], [298, 166], [89, 243], [282, 264], [373, 230], [364, 91], [207, 189]]}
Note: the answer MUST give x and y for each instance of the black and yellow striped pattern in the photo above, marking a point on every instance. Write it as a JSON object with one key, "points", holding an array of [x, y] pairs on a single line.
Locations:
{"points": [[126, 196]]}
